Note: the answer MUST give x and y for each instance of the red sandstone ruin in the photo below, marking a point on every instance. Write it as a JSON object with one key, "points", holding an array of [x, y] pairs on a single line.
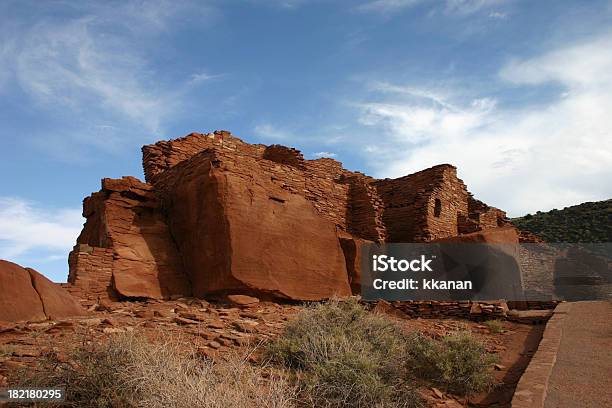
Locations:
{"points": [[218, 215]]}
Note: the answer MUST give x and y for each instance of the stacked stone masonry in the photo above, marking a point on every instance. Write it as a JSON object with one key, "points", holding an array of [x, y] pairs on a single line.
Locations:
{"points": [[157, 239]]}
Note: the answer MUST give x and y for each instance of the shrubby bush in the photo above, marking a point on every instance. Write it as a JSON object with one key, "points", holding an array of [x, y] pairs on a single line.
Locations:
{"points": [[346, 357], [458, 363]]}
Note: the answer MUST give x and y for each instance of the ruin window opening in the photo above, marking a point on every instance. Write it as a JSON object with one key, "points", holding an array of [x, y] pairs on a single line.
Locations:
{"points": [[437, 207]]}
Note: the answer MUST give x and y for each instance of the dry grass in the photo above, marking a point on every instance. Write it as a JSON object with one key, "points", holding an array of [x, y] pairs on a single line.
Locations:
{"points": [[131, 372]]}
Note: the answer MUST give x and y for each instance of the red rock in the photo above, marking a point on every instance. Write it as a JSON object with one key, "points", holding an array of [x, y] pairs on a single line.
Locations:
{"points": [[19, 301], [57, 302], [352, 248], [193, 316], [225, 342], [214, 344], [242, 300], [27, 295], [183, 321], [216, 325], [244, 327], [254, 237], [162, 313], [125, 248], [144, 314], [475, 309], [218, 215], [205, 334]]}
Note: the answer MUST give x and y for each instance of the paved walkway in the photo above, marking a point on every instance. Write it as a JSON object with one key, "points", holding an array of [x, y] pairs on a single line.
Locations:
{"points": [[582, 374]]}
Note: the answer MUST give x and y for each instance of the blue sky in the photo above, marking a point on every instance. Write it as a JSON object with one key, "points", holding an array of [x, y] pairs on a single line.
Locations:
{"points": [[516, 94]]}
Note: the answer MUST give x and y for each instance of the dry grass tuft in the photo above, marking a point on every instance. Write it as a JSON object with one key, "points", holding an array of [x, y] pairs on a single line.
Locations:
{"points": [[129, 371]]}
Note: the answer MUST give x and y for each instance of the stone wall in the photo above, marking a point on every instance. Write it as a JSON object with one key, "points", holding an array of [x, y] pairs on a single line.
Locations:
{"points": [[365, 208], [137, 243], [460, 309], [91, 271], [161, 156], [537, 262], [423, 206]]}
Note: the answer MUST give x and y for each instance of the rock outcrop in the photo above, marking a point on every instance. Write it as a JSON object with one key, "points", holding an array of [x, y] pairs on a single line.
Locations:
{"points": [[125, 248], [25, 295], [218, 215]]}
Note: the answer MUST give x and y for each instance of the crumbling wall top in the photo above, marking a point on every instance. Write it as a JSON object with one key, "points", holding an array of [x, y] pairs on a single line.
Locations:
{"points": [[161, 156]]}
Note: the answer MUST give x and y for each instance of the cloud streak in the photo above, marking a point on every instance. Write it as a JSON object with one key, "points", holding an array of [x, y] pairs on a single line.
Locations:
{"points": [[271, 132], [26, 227], [451, 7], [94, 65], [536, 157]]}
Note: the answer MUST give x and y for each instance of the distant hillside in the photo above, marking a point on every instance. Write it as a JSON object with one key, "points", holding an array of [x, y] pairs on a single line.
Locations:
{"points": [[588, 222]]}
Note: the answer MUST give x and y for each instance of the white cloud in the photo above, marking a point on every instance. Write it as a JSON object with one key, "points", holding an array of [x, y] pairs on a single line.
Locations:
{"points": [[26, 227], [271, 132], [470, 6], [523, 159], [285, 4], [426, 115], [498, 15], [95, 65], [388, 6], [453, 7], [70, 66], [578, 67], [200, 77], [319, 155]]}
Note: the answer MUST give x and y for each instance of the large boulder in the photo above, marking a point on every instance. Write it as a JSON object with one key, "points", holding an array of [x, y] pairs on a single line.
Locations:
{"points": [[18, 299], [239, 231], [56, 301], [25, 294]]}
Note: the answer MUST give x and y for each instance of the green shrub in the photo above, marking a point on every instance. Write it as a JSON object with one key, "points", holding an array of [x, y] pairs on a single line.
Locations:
{"points": [[346, 357], [495, 326], [588, 222], [458, 362]]}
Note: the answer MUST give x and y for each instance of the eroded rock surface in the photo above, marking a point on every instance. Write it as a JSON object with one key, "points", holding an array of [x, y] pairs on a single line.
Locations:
{"points": [[25, 295]]}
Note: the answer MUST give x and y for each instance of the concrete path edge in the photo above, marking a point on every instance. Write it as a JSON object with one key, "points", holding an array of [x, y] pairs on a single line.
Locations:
{"points": [[532, 387]]}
